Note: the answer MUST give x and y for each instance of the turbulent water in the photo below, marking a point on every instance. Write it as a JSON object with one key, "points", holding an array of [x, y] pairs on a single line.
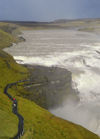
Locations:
{"points": [[79, 52]]}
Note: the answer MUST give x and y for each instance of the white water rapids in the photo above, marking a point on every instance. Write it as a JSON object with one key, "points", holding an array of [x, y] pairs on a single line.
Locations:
{"points": [[79, 53]]}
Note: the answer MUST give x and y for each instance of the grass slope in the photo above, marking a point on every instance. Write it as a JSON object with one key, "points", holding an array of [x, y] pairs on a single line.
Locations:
{"points": [[39, 123], [9, 72], [5, 39]]}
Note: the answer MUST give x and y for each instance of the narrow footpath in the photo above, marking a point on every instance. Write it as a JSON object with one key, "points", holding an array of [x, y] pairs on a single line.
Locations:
{"points": [[15, 104], [15, 110]]}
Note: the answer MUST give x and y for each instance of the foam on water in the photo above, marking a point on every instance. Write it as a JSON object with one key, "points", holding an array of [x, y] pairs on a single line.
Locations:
{"points": [[82, 61]]}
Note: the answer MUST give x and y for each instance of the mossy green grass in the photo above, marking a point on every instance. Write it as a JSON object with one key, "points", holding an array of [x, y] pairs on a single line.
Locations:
{"points": [[6, 39]]}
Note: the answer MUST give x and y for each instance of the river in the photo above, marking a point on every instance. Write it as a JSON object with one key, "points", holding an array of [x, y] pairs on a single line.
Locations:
{"points": [[79, 52]]}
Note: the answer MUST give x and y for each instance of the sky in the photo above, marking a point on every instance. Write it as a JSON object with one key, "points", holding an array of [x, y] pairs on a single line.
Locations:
{"points": [[48, 10]]}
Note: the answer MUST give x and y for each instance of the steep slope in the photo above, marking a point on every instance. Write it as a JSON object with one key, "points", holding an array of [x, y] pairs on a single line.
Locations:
{"points": [[5, 39]]}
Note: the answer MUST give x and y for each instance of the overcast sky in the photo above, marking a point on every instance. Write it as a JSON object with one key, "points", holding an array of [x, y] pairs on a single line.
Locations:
{"points": [[48, 10]]}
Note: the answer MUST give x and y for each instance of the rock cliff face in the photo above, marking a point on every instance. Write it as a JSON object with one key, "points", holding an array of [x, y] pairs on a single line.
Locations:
{"points": [[55, 85]]}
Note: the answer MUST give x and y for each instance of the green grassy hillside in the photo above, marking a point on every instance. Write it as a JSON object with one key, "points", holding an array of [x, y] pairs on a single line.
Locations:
{"points": [[38, 122], [5, 39]]}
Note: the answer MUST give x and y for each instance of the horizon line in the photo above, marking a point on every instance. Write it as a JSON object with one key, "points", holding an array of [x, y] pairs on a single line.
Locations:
{"points": [[48, 21]]}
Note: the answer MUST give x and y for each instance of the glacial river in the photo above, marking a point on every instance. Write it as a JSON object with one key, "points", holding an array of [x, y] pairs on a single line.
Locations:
{"points": [[79, 52]]}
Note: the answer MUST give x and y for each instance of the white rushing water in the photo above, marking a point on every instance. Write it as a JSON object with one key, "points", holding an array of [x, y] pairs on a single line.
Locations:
{"points": [[79, 53]]}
